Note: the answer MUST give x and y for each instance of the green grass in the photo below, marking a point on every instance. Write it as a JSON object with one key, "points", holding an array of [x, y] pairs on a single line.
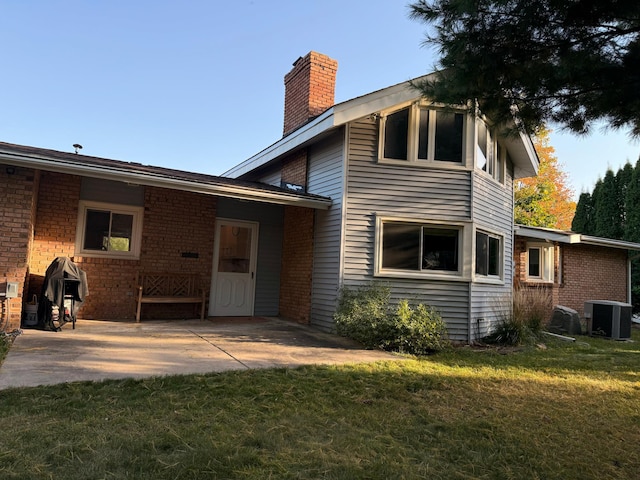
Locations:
{"points": [[567, 411]]}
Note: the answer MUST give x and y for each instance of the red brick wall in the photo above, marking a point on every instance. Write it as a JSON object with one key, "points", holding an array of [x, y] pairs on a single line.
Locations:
{"points": [[294, 168], [592, 273], [309, 89], [18, 188], [174, 222], [297, 264], [56, 221], [588, 273]]}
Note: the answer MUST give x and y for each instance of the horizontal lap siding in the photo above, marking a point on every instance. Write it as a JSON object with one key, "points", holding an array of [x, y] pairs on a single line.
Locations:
{"points": [[493, 210], [427, 194], [325, 178]]}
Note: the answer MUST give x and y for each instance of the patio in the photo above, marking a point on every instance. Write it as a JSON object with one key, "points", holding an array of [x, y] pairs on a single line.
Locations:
{"points": [[100, 350]]}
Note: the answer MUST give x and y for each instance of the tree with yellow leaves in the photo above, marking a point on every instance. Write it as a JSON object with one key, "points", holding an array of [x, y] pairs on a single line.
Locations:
{"points": [[545, 200]]}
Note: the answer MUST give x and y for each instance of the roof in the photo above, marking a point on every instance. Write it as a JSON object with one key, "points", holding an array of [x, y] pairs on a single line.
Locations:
{"points": [[563, 236], [136, 173], [520, 147]]}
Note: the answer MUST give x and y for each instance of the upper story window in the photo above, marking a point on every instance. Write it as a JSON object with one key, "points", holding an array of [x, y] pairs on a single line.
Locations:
{"points": [[108, 230], [540, 262], [418, 134], [490, 155]]}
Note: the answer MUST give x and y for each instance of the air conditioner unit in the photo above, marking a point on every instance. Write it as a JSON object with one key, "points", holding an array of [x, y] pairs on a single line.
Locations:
{"points": [[606, 318]]}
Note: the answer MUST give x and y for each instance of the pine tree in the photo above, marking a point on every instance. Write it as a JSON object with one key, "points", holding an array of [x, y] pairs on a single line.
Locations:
{"points": [[623, 180], [606, 213], [632, 200], [572, 62], [583, 219]]}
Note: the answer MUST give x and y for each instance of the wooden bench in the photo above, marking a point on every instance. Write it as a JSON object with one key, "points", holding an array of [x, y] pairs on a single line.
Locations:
{"points": [[169, 288]]}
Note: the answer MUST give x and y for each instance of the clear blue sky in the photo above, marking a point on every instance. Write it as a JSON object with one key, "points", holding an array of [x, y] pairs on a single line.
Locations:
{"points": [[198, 85]]}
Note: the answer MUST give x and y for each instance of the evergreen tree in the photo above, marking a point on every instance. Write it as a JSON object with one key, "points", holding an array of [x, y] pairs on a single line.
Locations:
{"points": [[623, 180], [573, 62], [606, 213], [583, 219], [632, 200]]}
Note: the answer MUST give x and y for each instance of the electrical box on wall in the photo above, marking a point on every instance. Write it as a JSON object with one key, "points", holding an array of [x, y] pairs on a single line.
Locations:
{"points": [[12, 290]]}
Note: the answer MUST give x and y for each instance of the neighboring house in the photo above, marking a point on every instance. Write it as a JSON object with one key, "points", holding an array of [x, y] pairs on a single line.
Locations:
{"points": [[422, 196], [386, 187], [574, 268]]}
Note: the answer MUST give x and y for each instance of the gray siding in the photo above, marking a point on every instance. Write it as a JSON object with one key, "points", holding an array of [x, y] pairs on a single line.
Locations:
{"points": [[398, 191], [493, 211], [270, 219], [273, 177], [325, 178]]}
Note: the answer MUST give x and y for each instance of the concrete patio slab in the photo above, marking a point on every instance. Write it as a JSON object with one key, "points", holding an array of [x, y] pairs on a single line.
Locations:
{"points": [[100, 350]]}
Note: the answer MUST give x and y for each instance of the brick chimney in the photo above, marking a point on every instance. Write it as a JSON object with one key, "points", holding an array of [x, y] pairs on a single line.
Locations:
{"points": [[309, 89]]}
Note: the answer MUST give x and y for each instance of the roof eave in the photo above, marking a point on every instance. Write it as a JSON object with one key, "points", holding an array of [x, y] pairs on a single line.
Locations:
{"points": [[572, 238], [149, 179]]}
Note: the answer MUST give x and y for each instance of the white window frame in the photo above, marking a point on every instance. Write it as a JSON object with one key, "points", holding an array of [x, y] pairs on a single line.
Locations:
{"points": [[462, 274], [499, 278], [136, 234], [547, 263], [413, 136], [496, 158]]}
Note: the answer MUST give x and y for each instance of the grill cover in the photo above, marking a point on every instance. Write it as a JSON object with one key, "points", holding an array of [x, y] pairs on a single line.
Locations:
{"points": [[65, 286]]}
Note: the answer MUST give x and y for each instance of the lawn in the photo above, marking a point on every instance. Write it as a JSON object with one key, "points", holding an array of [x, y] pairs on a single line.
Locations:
{"points": [[559, 411]]}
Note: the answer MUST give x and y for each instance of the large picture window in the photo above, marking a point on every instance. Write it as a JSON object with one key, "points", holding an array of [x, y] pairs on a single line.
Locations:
{"points": [[488, 255], [413, 247], [418, 134], [108, 230]]}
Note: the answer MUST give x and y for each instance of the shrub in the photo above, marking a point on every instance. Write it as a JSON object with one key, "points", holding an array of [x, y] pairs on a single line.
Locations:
{"points": [[525, 320], [365, 315]]}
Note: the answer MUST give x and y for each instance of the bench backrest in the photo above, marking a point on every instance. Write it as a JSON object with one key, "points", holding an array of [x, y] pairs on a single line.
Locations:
{"points": [[169, 284]]}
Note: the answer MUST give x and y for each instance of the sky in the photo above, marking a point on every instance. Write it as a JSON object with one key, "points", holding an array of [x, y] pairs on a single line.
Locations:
{"points": [[197, 85]]}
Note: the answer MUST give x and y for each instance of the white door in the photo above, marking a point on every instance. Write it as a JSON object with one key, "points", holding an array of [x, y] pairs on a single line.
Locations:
{"points": [[234, 266]]}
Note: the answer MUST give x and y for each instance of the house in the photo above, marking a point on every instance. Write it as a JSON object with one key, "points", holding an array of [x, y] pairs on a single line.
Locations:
{"points": [[572, 267], [386, 186], [422, 196]]}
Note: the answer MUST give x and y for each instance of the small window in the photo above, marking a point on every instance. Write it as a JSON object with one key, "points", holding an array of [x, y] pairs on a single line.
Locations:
{"points": [[540, 263], [108, 230], [489, 153], [448, 137], [421, 134], [419, 248], [396, 135], [488, 255]]}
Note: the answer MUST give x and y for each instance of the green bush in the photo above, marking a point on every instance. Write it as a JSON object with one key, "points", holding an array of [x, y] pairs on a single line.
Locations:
{"points": [[365, 315]]}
